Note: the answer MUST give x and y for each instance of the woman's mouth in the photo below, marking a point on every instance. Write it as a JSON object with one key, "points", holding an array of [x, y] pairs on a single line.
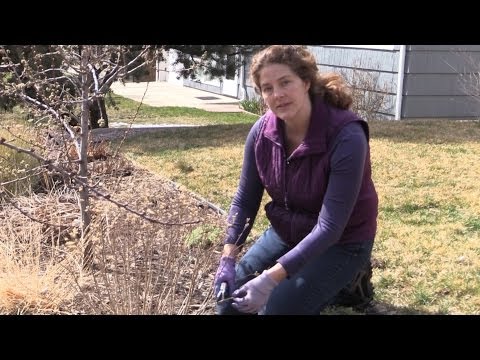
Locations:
{"points": [[282, 106]]}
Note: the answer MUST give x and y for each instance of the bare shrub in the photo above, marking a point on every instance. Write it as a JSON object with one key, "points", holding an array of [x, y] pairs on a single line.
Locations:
{"points": [[57, 212], [146, 268], [147, 272], [470, 84], [255, 105], [469, 81], [138, 267], [369, 95]]}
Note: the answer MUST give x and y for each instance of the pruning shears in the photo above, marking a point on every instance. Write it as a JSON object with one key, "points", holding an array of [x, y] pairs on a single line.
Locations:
{"points": [[222, 294]]}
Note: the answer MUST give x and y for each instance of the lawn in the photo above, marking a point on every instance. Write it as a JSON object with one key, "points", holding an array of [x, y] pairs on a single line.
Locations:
{"points": [[125, 110]]}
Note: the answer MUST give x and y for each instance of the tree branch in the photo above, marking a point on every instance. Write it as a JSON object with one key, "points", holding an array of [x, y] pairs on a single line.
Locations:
{"points": [[23, 212]]}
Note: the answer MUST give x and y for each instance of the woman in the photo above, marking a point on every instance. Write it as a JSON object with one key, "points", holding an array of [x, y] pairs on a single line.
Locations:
{"points": [[311, 154]]}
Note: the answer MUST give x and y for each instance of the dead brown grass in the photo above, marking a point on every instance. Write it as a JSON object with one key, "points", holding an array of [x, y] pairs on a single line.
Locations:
{"points": [[33, 278], [428, 232]]}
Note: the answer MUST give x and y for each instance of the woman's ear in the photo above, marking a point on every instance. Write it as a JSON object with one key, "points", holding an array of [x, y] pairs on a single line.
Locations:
{"points": [[307, 84]]}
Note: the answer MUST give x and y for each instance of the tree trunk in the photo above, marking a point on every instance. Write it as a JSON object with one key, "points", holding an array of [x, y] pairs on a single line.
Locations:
{"points": [[83, 170], [98, 112]]}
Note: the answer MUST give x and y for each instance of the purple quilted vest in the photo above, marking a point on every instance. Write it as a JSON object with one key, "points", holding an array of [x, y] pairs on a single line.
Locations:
{"points": [[297, 185]]}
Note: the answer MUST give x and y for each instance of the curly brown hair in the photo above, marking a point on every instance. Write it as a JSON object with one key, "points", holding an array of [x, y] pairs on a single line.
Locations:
{"points": [[330, 86]]}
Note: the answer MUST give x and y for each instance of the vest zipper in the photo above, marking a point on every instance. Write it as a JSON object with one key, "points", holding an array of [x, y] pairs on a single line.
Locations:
{"points": [[287, 162]]}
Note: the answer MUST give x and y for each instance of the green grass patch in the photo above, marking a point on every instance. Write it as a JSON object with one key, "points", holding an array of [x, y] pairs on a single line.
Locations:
{"points": [[473, 224], [15, 165], [125, 111], [422, 295], [204, 236]]}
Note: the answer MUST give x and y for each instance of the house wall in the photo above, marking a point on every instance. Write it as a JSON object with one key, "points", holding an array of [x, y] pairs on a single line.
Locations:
{"points": [[201, 85], [439, 80], [161, 71], [438, 84], [249, 87], [172, 70]]}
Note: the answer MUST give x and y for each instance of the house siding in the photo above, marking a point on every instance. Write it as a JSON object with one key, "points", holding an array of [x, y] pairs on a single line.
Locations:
{"points": [[433, 107], [369, 59], [436, 82]]}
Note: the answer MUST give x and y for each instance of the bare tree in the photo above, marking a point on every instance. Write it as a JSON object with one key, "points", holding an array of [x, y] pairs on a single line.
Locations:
{"points": [[59, 87], [52, 64]]}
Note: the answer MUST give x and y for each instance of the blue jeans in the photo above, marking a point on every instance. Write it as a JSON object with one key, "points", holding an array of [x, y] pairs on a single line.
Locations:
{"points": [[311, 289]]}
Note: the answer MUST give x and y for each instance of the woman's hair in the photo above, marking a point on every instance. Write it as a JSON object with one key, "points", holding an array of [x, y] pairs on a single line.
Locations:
{"points": [[330, 86]]}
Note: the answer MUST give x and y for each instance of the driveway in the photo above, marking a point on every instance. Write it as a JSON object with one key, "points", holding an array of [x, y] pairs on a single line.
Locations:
{"points": [[161, 93]]}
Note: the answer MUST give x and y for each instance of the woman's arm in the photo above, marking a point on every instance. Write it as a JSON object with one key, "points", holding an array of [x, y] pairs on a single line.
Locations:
{"points": [[246, 201]]}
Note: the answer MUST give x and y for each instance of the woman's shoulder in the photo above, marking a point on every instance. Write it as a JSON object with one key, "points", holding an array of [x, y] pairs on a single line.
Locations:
{"points": [[260, 122]]}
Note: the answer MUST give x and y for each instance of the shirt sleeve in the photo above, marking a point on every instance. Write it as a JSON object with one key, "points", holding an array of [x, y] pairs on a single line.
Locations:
{"points": [[248, 197], [347, 163]]}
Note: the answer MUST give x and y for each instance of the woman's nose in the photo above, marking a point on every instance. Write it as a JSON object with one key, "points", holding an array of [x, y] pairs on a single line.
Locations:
{"points": [[278, 92]]}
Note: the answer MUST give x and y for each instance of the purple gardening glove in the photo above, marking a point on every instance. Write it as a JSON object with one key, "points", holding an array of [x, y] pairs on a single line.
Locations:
{"points": [[253, 296], [225, 273]]}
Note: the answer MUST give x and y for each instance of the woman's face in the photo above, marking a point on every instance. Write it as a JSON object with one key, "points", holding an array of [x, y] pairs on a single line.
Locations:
{"points": [[285, 93]]}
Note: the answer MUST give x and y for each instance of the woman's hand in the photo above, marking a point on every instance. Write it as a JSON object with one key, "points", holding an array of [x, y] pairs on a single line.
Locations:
{"points": [[253, 296]]}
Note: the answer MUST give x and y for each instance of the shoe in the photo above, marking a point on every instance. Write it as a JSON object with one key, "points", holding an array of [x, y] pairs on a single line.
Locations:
{"points": [[359, 293]]}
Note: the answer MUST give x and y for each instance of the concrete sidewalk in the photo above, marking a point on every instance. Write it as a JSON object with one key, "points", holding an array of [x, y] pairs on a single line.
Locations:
{"points": [[161, 93]]}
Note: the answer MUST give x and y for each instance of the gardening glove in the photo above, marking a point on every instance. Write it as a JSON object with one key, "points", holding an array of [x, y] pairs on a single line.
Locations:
{"points": [[253, 296], [225, 273]]}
